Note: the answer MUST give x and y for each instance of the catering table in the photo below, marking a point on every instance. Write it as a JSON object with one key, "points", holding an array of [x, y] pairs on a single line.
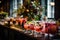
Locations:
{"points": [[15, 33]]}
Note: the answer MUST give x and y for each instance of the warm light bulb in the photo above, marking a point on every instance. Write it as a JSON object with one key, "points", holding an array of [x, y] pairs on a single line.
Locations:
{"points": [[27, 10], [32, 2], [52, 3]]}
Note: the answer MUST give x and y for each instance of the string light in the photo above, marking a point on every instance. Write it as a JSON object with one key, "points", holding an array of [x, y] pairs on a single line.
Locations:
{"points": [[27, 10]]}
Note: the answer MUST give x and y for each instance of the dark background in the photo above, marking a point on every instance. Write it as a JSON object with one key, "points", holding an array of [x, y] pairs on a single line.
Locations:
{"points": [[57, 9], [4, 5]]}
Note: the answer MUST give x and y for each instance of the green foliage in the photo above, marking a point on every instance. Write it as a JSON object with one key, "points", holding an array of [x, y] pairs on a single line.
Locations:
{"points": [[4, 14], [32, 13]]}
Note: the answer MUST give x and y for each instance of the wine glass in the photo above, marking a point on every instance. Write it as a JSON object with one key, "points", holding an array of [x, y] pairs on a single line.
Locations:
{"points": [[31, 28], [21, 20], [26, 26], [39, 29], [17, 22]]}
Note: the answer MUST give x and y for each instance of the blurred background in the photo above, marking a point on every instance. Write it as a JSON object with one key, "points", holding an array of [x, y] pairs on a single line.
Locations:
{"points": [[13, 7]]}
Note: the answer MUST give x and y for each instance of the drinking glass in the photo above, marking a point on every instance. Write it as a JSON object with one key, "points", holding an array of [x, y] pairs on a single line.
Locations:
{"points": [[32, 29], [26, 26], [39, 29]]}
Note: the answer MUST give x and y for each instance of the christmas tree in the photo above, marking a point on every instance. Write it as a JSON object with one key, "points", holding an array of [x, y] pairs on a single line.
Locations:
{"points": [[31, 9]]}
